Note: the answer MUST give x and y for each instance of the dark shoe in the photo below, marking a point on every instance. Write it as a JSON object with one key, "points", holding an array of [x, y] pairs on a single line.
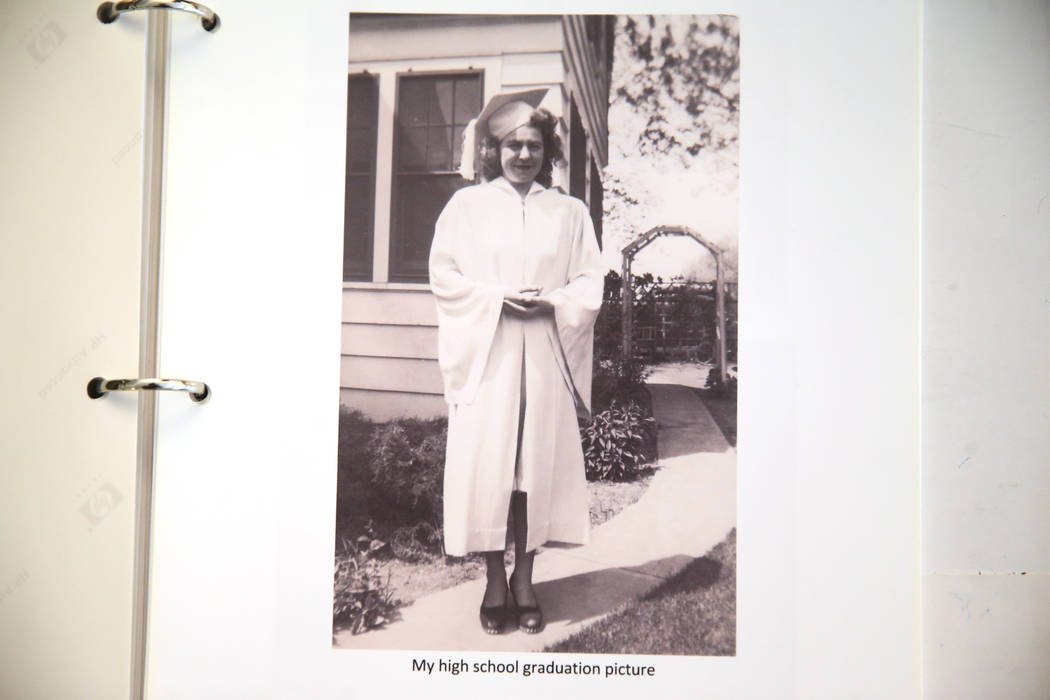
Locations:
{"points": [[530, 617], [493, 617]]}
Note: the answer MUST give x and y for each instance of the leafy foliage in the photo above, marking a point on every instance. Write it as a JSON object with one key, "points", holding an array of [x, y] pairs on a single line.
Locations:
{"points": [[408, 457], [673, 141], [390, 482], [716, 387], [417, 542], [680, 316], [614, 442], [685, 78], [612, 379], [363, 598]]}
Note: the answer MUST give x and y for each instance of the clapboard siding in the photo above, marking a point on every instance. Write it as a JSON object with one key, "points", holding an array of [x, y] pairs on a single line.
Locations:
{"points": [[390, 374], [387, 405], [383, 307], [419, 342], [389, 352]]}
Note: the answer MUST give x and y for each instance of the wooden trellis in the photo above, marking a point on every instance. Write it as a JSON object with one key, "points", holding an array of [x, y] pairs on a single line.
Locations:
{"points": [[632, 249]]}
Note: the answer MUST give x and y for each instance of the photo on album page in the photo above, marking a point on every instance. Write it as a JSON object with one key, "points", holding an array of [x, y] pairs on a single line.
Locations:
{"points": [[538, 378]]}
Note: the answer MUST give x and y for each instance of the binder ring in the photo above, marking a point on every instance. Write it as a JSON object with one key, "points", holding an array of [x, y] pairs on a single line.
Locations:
{"points": [[109, 11], [99, 387]]}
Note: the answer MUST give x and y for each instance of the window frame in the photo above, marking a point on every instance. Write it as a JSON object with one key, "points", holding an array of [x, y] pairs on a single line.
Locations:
{"points": [[393, 274]]}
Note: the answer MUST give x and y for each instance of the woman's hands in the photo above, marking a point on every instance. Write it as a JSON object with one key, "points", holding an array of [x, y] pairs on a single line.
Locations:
{"points": [[527, 303]]}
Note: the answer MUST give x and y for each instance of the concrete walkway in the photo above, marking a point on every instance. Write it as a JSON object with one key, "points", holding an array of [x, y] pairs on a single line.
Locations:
{"points": [[688, 508]]}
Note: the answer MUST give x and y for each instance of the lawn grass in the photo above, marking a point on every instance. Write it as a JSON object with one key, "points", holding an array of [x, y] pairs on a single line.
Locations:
{"points": [[692, 613]]}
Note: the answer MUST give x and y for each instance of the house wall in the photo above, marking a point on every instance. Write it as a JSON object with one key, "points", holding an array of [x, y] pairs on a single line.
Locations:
{"points": [[382, 37], [389, 332], [590, 83]]}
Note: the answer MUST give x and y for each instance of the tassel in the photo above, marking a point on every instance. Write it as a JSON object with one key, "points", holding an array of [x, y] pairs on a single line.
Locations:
{"points": [[466, 162]]}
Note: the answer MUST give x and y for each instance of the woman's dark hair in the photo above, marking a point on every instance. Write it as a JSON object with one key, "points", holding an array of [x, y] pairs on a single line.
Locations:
{"points": [[547, 123]]}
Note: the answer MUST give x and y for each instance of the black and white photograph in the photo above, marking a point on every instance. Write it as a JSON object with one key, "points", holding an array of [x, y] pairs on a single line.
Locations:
{"points": [[537, 419]]}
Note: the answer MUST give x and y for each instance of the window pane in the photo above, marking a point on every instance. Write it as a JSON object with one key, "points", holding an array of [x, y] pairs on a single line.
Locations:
{"points": [[450, 102], [362, 101], [357, 234], [413, 148], [428, 149], [422, 198], [412, 110], [439, 148], [468, 99], [359, 202], [441, 103], [457, 147], [362, 150], [362, 111]]}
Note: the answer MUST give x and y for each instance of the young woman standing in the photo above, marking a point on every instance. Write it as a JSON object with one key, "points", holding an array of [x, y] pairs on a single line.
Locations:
{"points": [[517, 275]]}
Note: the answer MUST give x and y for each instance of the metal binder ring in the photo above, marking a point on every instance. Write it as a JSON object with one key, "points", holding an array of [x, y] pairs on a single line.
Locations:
{"points": [[99, 387], [109, 11]]}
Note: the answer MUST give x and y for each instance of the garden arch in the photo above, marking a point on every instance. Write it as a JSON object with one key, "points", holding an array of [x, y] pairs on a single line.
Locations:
{"points": [[632, 249]]}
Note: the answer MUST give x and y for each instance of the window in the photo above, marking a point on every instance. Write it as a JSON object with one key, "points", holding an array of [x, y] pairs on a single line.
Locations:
{"points": [[358, 219], [432, 111], [577, 154]]}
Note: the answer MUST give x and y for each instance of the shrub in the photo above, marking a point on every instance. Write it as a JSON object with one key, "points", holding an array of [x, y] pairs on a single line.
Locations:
{"points": [[355, 433], [681, 314], [716, 387], [416, 542], [613, 382], [390, 481], [613, 379], [408, 459], [614, 442], [363, 598]]}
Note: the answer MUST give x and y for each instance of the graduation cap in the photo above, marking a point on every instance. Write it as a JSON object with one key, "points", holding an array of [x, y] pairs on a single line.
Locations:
{"points": [[503, 114], [507, 111]]}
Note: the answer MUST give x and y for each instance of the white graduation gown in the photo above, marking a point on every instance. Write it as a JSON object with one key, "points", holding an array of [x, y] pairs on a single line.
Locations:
{"points": [[488, 242]]}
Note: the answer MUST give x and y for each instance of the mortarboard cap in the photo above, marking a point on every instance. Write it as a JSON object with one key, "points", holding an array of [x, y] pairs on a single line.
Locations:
{"points": [[507, 111]]}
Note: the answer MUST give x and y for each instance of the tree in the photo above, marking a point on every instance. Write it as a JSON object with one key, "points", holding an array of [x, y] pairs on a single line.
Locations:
{"points": [[674, 131], [683, 73]]}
